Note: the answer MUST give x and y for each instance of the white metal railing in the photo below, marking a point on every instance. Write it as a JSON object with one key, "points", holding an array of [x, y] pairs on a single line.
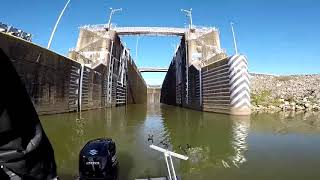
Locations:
{"points": [[169, 154], [15, 32], [148, 30]]}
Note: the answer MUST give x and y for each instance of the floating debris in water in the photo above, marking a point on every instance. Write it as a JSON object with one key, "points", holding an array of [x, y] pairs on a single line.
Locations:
{"points": [[150, 138]]}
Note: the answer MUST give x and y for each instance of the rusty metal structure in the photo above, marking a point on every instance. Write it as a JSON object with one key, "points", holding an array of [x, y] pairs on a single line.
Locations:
{"points": [[4, 28]]}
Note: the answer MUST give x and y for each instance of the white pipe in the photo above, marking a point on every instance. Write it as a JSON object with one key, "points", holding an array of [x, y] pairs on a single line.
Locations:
{"points": [[109, 21], [190, 18], [110, 71], [137, 49], [188, 13], [174, 171], [234, 38], [80, 87], [55, 26], [169, 152], [187, 72], [165, 157], [111, 13], [200, 87]]}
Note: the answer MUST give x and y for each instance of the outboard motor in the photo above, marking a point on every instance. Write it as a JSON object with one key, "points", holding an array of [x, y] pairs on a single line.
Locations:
{"points": [[98, 160]]}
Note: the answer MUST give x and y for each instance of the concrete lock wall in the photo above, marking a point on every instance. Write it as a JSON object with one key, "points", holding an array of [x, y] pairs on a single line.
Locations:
{"points": [[173, 91], [225, 86], [132, 89], [176, 88], [57, 84], [194, 92], [51, 80], [169, 91], [137, 87], [202, 77], [91, 89], [122, 82]]}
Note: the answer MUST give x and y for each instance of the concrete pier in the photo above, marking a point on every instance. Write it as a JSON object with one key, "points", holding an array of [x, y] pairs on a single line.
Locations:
{"points": [[203, 77]]}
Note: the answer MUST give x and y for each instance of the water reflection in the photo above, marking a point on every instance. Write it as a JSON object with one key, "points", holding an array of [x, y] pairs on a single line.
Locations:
{"points": [[219, 146], [214, 140], [240, 132], [287, 122]]}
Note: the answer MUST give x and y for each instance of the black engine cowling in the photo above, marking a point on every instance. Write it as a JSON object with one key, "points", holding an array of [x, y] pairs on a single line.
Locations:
{"points": [[98, 160]]}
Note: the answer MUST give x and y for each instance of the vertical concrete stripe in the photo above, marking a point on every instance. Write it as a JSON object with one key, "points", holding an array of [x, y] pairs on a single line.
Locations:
{"points": [[234, 72], [232, 58], [243, 103], [235, 58], [234, 61], [239, 96], [238, 65], [238, 76], [239, 82], [236, 94]]}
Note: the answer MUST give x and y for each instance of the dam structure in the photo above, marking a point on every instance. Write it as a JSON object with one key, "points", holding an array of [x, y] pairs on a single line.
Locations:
{"points": [[99, 72], [201, 75]]}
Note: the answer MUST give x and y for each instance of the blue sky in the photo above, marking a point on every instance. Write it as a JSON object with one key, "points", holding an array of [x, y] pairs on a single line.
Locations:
{"points": [[278, 36]]}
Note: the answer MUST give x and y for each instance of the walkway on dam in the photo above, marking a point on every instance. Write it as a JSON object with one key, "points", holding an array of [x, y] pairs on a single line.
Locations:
{"points": [[148, 31], [153, 69]]}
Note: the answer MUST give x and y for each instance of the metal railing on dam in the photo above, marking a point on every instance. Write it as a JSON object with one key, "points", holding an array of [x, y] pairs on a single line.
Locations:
{"points": [[149, 31], [153, 69]]}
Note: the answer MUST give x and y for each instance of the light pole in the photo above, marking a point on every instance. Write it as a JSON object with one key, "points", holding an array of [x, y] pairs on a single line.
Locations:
{"points": [[189, 14], [234, 38], [111, 13], [55, 26], [136, 58]]}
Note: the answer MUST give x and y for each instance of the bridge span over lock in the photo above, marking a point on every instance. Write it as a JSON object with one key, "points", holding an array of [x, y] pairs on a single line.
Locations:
{"points": [[145, 31], [100, 72], [153, 69]]}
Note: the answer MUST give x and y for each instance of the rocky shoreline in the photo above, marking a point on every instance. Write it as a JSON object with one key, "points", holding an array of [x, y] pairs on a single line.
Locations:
{"points": [[271, 93]]}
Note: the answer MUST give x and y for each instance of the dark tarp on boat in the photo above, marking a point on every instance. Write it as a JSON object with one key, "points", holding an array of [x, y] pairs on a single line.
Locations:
{"points": [[24, 147]]}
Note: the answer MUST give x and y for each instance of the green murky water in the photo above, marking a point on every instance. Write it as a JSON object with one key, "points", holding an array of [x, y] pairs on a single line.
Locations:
{"points": [[263, 146]]}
